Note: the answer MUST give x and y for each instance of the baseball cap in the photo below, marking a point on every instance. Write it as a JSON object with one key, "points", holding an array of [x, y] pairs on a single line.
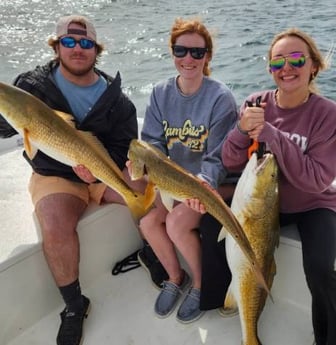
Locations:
{"points": [[62, 27]]}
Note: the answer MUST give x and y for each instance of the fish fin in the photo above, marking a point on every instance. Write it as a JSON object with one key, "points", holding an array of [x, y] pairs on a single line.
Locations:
{"points": [[222, 234], [150, 194], [271, 277], [273, 268], [261, 279], [167, 200], [68, 118], [29, 148], [230, 301]]}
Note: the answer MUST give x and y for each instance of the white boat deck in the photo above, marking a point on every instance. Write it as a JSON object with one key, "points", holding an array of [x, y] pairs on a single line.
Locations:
{"points": [[17, 226], [122, 306], [122, 313]]}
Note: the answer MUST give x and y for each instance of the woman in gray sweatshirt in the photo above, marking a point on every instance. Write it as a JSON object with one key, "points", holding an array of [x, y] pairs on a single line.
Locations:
{"points": [[187, 118]]}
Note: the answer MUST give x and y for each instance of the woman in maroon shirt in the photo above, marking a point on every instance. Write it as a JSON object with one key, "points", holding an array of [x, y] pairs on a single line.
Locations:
{"points": [[299, 127]]}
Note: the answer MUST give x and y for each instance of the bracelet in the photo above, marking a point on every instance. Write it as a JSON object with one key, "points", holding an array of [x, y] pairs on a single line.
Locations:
{"points": [[241, 130]]}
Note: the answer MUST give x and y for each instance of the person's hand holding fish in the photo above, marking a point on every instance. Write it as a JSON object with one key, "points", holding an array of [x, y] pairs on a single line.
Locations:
{"points": [[252, 121], [129, 167], [195, 203], [83, 173]]}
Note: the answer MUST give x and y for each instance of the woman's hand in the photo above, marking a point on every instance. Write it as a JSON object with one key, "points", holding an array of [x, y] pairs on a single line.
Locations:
{"points": [[254, 133], [129, 167], [253, 120], [195, 203], [84, 174]]}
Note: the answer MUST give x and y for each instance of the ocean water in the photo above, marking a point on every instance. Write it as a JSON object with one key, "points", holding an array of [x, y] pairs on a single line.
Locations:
{"points": [[135, 34]]}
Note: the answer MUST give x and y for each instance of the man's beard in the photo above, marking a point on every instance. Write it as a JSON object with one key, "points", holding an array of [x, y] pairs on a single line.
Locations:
{"points": [[77, 71]]}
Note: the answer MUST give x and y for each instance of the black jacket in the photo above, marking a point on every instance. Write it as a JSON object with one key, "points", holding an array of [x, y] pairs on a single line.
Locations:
{"points": [[112, 119]]}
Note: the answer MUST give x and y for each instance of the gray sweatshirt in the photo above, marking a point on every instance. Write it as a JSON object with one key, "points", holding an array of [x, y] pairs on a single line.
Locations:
{"points": [[191, 129]]}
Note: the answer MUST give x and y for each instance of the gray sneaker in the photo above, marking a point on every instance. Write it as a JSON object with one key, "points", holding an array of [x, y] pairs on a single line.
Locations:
{"points": [[169, 296], [189, 310]]}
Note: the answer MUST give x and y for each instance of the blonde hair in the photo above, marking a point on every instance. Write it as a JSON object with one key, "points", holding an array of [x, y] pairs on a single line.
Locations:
{"points": [[189, 26], [319, 62]]}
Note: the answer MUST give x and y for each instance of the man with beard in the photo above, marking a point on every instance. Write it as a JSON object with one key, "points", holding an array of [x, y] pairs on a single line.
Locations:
{"points": [[72, 84]]}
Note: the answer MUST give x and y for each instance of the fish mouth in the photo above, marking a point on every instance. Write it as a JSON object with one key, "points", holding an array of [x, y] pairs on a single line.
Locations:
{"points": [[263, 161]]}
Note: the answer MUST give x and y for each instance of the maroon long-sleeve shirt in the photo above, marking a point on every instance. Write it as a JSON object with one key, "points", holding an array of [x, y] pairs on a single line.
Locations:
{"points": [[303, 139]]}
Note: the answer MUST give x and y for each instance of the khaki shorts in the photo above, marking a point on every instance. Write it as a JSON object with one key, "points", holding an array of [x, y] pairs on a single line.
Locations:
{"points": [[41, 186]]}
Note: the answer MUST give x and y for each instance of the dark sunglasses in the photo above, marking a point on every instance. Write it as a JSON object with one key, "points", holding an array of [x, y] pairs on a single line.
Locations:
{"points": [[70, 42], [294, 59], [195, 52]]}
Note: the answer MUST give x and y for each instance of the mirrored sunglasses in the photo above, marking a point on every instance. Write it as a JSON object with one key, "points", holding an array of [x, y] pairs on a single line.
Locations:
{"points": [[195, 52], [70, 42], [294, 59]]}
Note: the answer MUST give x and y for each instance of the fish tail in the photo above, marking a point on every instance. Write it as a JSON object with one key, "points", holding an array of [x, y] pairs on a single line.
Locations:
{"points": [[230, 301]]}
